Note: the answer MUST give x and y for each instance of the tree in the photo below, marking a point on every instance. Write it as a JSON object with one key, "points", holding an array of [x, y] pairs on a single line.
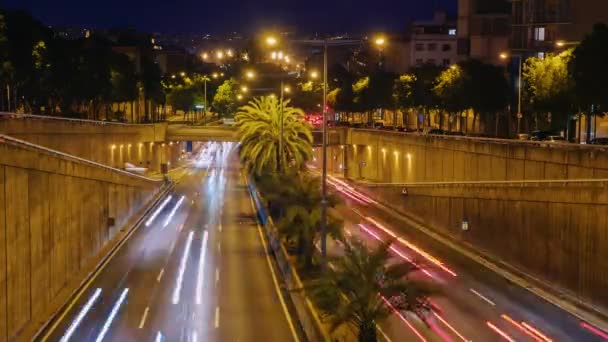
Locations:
{"points": [[184, 98], [150, 79], [295, 199], [450, 89], [224, 101], [359, 286], [403, 94], [549, 87], [425, 78], [259, 128], [590, 72], [124, 81]]}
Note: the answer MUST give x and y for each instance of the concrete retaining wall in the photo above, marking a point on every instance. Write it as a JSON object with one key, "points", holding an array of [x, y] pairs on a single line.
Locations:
{"points": [[111, 144], [54, 220], [557, 232], [384, 156]]}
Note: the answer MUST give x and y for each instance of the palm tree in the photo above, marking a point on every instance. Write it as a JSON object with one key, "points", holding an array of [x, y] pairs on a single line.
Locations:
{"points": [[295, 201], [259, 128], [358, 287]]}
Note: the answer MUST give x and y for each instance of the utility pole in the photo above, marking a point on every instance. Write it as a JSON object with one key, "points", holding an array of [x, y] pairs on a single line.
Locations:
{"points": [[324, 172]]}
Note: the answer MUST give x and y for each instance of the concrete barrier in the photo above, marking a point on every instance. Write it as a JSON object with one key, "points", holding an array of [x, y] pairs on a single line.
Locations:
{"points": [[552, 230], [393, 157], [57, 214], [107, 143]]}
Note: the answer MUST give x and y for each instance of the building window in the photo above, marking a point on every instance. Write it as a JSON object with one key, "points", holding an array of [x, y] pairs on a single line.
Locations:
{"points": [[452, 32], [446, 62], [432, 47], [418, 61], [540, 55], [431, 61], [539, 34], [419, 47], [446, 47]]}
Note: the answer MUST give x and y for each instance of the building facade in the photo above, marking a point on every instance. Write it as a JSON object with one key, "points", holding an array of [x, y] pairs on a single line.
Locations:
{"points": [[433, 42]]}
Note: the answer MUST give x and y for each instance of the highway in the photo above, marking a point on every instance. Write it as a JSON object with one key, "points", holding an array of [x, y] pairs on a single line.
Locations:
{"points": [[196, 270], [476, 304]]}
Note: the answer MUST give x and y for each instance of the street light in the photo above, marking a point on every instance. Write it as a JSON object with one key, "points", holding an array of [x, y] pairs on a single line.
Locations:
{"points": [[250, 74], [220, 55], [239, 97], [244, 89], [271, 41], [504, 56], [314, 75], [215, 75], [287, 89]]}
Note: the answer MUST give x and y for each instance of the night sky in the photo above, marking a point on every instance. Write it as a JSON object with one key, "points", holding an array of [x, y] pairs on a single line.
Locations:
{"points": [[222, 16]]}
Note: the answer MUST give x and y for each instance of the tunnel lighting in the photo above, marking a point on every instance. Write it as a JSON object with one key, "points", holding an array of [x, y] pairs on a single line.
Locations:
{"points": [[108, 322], [83, 312], [182, 269], [113, 147], [201, 269], [409, 156], [383, 150], [141, 144]]}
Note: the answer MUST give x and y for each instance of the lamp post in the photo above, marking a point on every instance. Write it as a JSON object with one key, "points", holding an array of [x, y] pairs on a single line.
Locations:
{"points": [[519, 67]]}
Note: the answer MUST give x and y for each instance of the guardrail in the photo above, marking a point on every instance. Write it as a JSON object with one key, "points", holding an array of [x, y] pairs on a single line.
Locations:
{"points": [[33, 147], [508, 182], [16, 116], [307, 315], [565, 145]]}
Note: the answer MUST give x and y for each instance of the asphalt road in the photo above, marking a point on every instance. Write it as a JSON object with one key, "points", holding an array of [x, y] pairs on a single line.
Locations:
{"points": [[197, 272], [476, 304]]}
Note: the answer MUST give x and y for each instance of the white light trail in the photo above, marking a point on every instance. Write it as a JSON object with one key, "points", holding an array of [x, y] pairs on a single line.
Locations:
{"points": [[157, 211], [201, 269], [83, 312], [108, 322], [159, 337], [182, 269], [181, 200]]}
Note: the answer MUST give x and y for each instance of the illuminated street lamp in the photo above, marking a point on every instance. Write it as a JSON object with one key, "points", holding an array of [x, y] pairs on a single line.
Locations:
{"points": [[229, 53], [205, 56], [244, 89], [182, 74], [220, 55], [239, 97], [215, 75], [314, 75], [505, 56], [271, 41], [250, 74], [287, 89]]}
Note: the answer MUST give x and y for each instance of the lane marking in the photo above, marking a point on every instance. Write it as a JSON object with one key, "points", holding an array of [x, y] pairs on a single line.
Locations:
{"points": [[217, 317], [83, 312], [201, 269], [483, 297], [182, 269], [160, 275], [274, 277], [217, 276], [219, 247], [108, 322], [143, 318], [220, 227]]}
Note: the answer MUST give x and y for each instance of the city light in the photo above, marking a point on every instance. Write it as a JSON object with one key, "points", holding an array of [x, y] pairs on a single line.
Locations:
{"points": [[220, 55], [239, 97], [273, 55], [229, 53], [287, 89], [504, 55], [380, 41], [250, 74], [271, 41], [244, 89], [205, 55], [215, 75], [314, 74]]}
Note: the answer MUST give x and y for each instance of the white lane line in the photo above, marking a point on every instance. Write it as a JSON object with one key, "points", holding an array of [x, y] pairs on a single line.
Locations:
{"points": [[179, 203], [217, 317], [142, 322], [274, 279], [220, 227], [201, 269], [158, 210], [217, 276], [219, 247], [108, 322], [83, 312], [182, 269], [483, 297], [160, 275]]}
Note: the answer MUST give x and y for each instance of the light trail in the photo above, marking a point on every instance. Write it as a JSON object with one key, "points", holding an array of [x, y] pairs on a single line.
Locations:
{"points": [[159, 337], [182, 269], [179, 203], [108, 322], [412, 247], [595, 330], [520, 327], [484, 298], [450, 327], [158, 210], [201, 269], [536, 332], [83, 312], [500, 332], [396, 312]]}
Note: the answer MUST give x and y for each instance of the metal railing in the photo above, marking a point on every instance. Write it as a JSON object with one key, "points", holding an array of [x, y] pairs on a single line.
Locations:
{"points": [[506, 182], [16, 116]]}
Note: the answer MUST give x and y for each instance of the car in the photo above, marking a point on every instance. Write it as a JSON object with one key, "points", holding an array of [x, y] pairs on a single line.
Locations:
{"points": [[436, 131], [555, 139], [540, 135], [599, 141]]}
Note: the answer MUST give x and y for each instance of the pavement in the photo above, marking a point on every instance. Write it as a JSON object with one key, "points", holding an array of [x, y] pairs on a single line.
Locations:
{"points": [[476, 304], [195, 270]]}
